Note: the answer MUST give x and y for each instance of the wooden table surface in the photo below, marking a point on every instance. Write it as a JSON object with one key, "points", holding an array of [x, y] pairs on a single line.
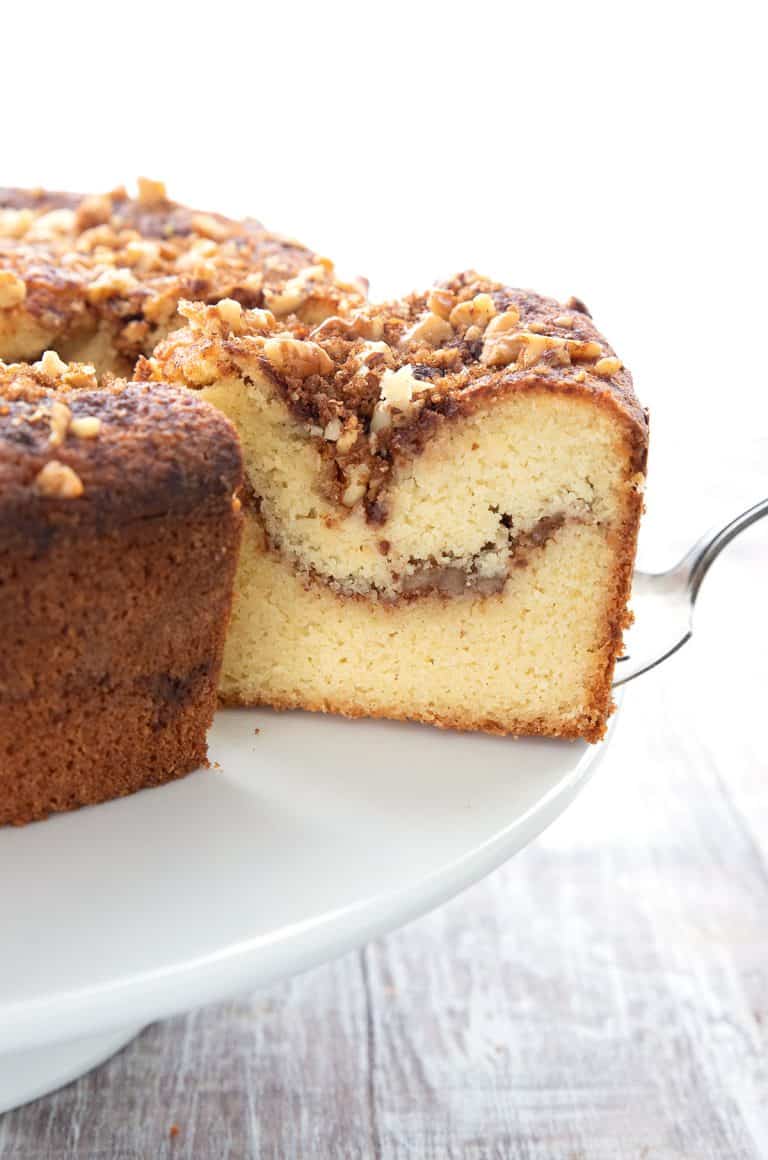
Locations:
{"points": [[603, 996]]}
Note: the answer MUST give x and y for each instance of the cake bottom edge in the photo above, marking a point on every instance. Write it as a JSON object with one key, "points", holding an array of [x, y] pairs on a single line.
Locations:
{"points": [[589, 727]]}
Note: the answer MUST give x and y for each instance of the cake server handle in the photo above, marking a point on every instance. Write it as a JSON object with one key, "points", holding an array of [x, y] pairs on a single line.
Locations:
{"points": [[664, 601]]}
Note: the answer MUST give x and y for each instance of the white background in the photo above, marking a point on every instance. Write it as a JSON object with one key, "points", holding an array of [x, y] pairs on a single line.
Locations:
{"points": [[614, 151]]}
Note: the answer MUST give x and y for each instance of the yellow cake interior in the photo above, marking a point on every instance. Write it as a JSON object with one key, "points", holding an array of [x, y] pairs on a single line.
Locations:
{"points": [[320, 620]]}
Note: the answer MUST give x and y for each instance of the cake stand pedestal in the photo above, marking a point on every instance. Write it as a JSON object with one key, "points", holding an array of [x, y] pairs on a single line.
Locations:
{"points": [[27, 1075]]}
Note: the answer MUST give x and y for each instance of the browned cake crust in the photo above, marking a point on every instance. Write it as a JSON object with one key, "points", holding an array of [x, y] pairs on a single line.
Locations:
{"points": [[118, 544], [98, 277]]}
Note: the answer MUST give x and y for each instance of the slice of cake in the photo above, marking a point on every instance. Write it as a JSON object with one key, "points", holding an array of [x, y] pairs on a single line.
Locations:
{"points": [[98, 277], [442, 499], [118, 544]]}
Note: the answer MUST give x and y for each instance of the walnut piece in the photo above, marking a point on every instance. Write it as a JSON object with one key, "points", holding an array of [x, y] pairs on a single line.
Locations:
{"points": [[58, 481], [441, 302], [151, 192], [55, 223], [292, 296], [525, 347], [605, 367], [14, 223], [501, 323], [294, 358], [348, 437], [111, 282], [51, 365], [583, 351], [230, 312], [357, 477], [80, 375], [430, 330], [478, 311]]}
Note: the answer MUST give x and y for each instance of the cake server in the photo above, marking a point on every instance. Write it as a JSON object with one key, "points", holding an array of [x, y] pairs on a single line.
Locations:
{"points": [[665, 600]]}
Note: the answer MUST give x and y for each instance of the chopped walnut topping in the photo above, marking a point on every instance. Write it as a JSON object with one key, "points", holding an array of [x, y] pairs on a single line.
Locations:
{"points": [[111, 282], [13, 290], [430, 330], [381, 419], [605, 367], [357, 477], [501, 323], [360, 325], [210, 227], [51, 365], [94, 211], [230, 312], [60, 417], [441, 302], [583, 351], [58, 481], [14, 223], [523, 346], [196, 258], [348, 437], [397, 388], [566, 321], [296, 291], [376, 354], [85, 427], [151, 192], [143, 253], [57, 222], [80, 375], [161, 306], [332, 430], [478, 311], [533, 347], [291, 356]]}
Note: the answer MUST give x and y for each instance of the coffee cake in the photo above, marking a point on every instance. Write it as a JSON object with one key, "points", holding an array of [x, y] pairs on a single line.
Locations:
{"points": [[442, 500], [118, 542]]}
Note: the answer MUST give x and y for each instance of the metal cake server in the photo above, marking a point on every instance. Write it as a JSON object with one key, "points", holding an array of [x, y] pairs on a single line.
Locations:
{"points": [[664, 601]]}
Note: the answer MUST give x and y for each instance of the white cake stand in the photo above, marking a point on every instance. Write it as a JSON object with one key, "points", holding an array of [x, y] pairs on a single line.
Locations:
{"points": [[315, 835]]}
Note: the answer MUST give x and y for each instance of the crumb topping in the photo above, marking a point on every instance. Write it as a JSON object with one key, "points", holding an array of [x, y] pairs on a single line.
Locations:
{"points": [[74, 264], [377, 382]]}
